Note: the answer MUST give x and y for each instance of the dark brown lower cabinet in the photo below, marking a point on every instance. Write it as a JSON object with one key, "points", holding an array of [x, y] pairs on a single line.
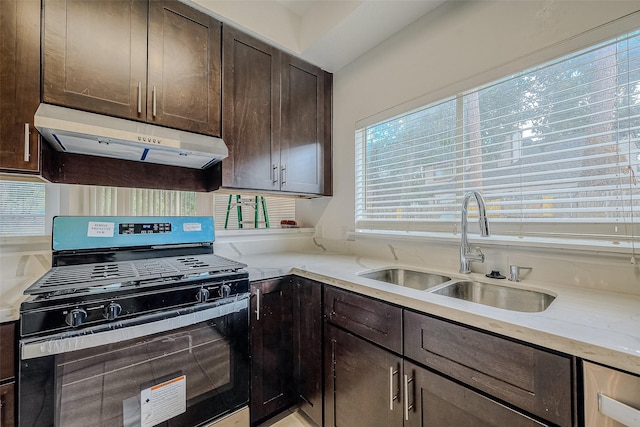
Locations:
{"points": [[362, 382], [307, 346], [434, 401], [272, 388], [7, 405]]}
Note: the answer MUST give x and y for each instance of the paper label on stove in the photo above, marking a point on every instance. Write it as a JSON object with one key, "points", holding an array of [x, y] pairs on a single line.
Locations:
{"points": [[191, 226], [163, 401], [101, 229]]}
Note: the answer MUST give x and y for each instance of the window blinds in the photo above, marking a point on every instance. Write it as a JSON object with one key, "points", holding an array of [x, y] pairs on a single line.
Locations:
{"points": [[22, 208], [555, 150]]}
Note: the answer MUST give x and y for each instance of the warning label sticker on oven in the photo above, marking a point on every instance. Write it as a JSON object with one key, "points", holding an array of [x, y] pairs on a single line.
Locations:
{"points": [[191, 226], [163, 401], [100, 229]]}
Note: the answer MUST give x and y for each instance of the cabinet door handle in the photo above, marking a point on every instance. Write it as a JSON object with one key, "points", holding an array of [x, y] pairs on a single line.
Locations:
{"points": [[392, 396], [139, 97], [27, 149], [275, 174], [618, 411], [407, 407], [284, 175], [153, 100], [258, 304]]}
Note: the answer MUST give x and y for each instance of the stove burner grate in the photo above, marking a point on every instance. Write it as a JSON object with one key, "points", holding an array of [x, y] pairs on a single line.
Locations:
{"points": [[79, 277]]}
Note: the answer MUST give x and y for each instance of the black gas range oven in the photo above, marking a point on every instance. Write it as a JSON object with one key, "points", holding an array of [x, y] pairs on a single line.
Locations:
{"points": [[138, 323]]}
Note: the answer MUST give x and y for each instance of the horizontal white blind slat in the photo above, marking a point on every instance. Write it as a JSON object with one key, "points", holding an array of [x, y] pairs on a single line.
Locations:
{"points": [[560, 141]]}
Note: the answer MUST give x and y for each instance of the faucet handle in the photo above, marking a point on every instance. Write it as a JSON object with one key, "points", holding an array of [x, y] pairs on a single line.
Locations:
{"points": [[514, 272]]}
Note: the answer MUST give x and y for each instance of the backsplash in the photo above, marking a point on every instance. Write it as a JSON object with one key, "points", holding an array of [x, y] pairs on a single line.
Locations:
{"points": [[594, 270], [22, 261]]}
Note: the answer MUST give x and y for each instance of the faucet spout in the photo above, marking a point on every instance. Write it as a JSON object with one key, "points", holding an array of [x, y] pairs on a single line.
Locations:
{"points": [[467, 255]]}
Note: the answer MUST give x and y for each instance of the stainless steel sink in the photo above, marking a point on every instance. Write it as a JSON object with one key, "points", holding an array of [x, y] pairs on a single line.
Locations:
{"points": [[498, 296], [419, 280]]}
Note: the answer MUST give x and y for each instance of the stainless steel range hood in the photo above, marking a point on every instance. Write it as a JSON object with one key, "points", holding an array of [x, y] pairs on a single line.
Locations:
{"points": [[80, 132]]}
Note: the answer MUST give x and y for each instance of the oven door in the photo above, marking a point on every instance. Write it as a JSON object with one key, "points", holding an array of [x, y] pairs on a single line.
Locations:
{"points": [[182, 370]]}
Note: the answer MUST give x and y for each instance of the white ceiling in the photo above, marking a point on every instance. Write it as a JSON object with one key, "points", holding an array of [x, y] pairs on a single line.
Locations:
{"points": [[327, 33]]}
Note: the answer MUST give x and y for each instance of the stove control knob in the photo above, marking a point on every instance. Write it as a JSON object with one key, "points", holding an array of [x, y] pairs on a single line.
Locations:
{"points": [[75, 317], [225, 291], [202, 295], [112, 311]]}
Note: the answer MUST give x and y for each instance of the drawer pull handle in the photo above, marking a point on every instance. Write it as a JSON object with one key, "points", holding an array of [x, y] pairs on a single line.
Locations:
{"points": [[392, 395], [153, 111], [407, 407], [139, 97], [258, 304], [27, 150], [618, 411]]}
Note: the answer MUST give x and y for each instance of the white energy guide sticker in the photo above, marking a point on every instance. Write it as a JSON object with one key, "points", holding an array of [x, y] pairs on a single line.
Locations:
{"points": [[163, 401]]}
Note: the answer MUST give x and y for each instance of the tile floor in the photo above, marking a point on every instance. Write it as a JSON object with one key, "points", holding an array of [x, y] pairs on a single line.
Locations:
{"points": [[289, 418]]}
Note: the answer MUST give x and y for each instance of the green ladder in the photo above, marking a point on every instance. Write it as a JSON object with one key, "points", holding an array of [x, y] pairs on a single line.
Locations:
{"points": [[257, 202]]}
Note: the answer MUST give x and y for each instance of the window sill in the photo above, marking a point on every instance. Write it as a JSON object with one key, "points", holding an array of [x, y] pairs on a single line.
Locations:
{"points": [[557, 243], [263, 232]]}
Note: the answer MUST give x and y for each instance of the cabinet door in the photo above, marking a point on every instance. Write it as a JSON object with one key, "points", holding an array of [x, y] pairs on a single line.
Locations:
{"points": [[302, 126], [271, 348], [435, 401], [7, 351], [7, 404], [251, 112], [307, 342], [362, 382], [184, 60], [95, 56], [20, 88]]}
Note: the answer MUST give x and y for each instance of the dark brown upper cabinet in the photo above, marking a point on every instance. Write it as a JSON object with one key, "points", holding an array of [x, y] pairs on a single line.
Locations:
{"points": [[303, 142], [185, 68], [20, 88], [250, 112], [157, 61], [276, 119]]}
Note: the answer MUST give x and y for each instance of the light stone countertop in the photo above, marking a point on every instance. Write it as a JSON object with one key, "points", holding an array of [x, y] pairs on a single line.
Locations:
{"points": [[595, 325]]}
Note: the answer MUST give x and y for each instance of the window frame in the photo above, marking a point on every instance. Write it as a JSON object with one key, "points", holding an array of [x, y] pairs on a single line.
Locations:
{"points": [[572, 233]]}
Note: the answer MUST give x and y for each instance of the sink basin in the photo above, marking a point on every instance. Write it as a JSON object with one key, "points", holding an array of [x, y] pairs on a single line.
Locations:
{"points": [[419, 280], [498, 296]]}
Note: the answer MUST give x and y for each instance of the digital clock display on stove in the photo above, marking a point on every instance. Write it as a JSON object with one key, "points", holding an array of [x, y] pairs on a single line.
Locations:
{"points": [[151, 228]]}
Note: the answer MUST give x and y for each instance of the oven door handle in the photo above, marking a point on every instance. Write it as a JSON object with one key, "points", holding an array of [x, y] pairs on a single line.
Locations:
{"points": [[31, 348]]}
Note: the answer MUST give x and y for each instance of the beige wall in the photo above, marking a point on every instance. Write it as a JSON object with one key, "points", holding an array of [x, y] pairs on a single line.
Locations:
{"points": [[458, 46]]}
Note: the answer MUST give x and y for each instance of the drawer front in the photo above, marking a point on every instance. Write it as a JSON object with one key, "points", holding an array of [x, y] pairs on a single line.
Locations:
{"points": [[437, 401], [611, 397], [369, 318], [535, 380]]}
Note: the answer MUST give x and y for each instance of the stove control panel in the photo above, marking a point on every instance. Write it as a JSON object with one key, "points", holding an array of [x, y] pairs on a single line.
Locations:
{"points": [[42, 315], [145, 228]]}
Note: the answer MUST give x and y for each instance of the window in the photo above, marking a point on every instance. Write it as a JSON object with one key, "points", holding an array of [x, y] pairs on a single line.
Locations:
{"points": [[555, 151], [92, 200], [22, 208]]}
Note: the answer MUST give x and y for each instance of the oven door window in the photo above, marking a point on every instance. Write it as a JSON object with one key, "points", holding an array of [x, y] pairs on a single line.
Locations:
{"points": [[190, 372]]}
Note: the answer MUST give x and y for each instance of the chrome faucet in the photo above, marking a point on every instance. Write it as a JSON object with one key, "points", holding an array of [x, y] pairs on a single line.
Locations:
{"points": [[467, 255]]}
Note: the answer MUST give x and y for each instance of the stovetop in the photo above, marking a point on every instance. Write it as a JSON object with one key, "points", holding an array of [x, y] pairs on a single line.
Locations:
{"points": [[105, 276]]}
